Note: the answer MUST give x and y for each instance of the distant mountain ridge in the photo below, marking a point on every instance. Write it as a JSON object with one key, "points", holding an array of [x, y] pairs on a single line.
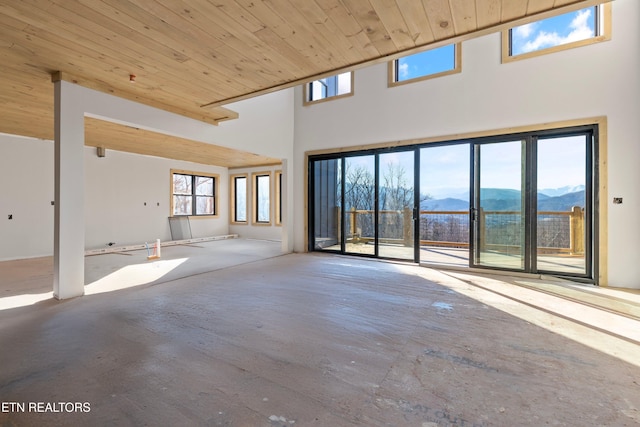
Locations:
{"points": [[507, 199]]}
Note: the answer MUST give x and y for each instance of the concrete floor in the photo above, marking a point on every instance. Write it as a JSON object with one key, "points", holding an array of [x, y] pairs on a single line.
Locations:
{"points": [[323, 340]]}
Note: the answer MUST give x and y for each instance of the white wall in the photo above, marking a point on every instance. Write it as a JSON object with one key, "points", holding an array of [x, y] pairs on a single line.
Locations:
{"points": [[26, 192], [117, 186], [596, 80], [116, 189]]}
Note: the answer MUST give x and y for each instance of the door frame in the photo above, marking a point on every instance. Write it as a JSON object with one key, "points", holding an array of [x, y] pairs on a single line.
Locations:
{"points": [[530, 202]]}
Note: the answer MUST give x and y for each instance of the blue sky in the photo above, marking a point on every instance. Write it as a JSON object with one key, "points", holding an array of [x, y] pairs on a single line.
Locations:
{"points": [[425, 63], [444, 170], [555, 31]]}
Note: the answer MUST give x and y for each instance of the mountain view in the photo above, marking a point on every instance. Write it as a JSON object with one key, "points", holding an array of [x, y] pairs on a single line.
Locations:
{"points": [[555, 199]]}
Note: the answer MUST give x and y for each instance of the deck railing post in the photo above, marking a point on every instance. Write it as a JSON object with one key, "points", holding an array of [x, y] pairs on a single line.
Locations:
{"points": [[407, 226], [338, 216], [353, 222], [576, 231], [482, 230]]}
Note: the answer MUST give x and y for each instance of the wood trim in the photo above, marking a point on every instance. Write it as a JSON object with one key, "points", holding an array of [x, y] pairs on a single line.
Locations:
{"points": [[254, 195], [391, 74], [603, 203], [605, 15], [216, 192], [458, 136], [232, 201]]}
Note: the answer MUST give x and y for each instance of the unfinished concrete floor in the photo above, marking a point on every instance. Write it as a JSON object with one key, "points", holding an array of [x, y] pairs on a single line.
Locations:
{"points": [[324, 340]]}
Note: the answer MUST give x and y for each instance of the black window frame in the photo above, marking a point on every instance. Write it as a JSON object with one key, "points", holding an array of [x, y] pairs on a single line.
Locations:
{"points": [[194, 194]]}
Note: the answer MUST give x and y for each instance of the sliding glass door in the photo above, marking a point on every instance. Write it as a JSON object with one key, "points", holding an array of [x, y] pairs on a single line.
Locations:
{"points": [[498, 210], [396, 205], [522, 203], [359, 204], [563, 220], [444, 204]]}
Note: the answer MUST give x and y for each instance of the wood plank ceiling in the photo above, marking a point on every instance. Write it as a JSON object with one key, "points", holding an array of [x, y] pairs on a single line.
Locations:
{"points": [[193, 57]]}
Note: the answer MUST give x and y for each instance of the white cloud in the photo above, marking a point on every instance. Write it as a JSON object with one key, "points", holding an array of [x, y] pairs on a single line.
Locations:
{"points": [[403, 69], [580, 30], [524, 31]]}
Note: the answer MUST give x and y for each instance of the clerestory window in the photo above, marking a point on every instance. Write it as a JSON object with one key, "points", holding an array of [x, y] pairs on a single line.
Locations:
{"points": [[580, 28], [429, 64], [329, 87]]}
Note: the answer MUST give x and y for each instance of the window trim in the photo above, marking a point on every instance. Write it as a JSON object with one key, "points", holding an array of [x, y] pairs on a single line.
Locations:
{"points": [[605, 22], [392, 67], [277, 182], [232, 204], [306, 101], [254, 198], [216, 191]]}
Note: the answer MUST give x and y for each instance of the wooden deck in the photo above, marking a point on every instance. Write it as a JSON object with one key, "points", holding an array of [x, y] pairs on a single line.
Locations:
{"points": [[459, 257]]}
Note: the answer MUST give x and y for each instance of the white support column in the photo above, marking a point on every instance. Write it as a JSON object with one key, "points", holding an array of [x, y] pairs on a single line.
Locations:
{"points": [[287, 207], [68, 250]]}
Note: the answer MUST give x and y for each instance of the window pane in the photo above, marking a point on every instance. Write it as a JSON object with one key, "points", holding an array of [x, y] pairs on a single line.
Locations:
{"points": [[240, 199], [181, 184], [327, 87], [327, 193], [182, 205], [555, 31], [204, 186], [262, 196], [204, 205], [426, 63], [318, 90], [344, 83]]}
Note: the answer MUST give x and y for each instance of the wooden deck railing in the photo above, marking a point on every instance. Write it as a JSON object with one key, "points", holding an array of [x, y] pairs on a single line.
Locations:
{"points": [[575, 218]]}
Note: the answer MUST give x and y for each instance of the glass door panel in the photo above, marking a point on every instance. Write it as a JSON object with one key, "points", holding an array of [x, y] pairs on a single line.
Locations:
{"points": [[327, 212], [499, 221], [444, 205], [396, 177], [562, 209], [359, 205]]}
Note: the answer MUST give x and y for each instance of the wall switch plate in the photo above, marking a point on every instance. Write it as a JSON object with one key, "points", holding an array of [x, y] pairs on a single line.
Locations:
{"points": [[617, 200]]}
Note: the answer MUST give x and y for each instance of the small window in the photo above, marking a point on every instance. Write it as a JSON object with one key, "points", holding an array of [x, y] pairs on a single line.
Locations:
{"points": [[429, 64], [569, 30], [278, 197], [262, 198], [193, 194], [239, 199], [329, 87]]}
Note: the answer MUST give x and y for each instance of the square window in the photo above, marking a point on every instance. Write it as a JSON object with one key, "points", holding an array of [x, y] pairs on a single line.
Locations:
{"points": [[193, 194]]}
